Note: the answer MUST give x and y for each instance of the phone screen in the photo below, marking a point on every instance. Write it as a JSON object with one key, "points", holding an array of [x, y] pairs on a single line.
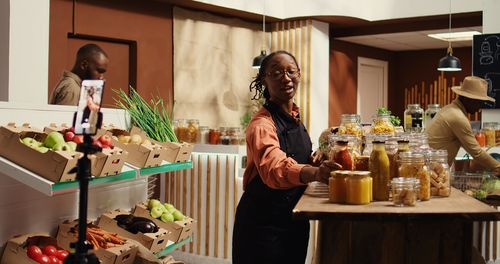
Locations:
{"points": [[89, 105]]}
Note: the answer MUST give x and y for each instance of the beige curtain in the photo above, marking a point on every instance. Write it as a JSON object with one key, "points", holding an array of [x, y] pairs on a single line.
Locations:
{"points": [[212, 67], [295, 37]]}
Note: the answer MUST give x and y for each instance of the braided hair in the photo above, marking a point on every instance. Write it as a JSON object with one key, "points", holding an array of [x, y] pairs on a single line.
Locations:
{"points": [[257, 85]]}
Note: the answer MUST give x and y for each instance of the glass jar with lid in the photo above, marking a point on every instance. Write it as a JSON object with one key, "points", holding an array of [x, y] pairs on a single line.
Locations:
{"points": [[381, 124], [337, 186], [412, 165], [224, 136], [213, 136], [414, 118], [432, 110], [439, 173], [204, 132], [193, 129], [391, 148], [234, 134], [350, 124], [480, 137], [342, 155], [404, 191], [379, 170], [181, 130], [489, 133], [359, 188]]}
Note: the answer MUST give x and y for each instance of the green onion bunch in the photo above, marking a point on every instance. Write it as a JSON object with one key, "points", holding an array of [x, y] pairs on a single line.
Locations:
{"points": [[151, 117]]}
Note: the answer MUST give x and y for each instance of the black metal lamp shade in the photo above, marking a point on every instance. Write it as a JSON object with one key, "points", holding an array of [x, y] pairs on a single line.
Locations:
{"points": [[449, 63], [257, 61]]}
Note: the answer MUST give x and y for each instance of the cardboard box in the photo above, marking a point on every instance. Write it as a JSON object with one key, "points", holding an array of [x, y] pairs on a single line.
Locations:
{"points": [[52, 165], [108, 162], [15, 251], [177, 152], [140, 155], [155, 242], [121, 254], [179, 230]]}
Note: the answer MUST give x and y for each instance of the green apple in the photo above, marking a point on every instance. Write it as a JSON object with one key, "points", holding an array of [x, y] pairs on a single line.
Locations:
{"points": [[167, 217], [153, 203], [30, 141], [61, 146], [156, 212], [72, 145], [170, 208], [42, 149], [178, 216], [53, 138], [33, 144]]}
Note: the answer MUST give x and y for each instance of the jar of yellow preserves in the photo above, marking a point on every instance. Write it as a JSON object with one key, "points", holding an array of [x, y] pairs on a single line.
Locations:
{"points": [[337, 186], [359, 188], [380, 171], [412, 165], [489, 132]]}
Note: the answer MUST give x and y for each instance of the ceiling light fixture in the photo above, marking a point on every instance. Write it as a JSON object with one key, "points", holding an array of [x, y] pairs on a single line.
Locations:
{"points": [[449, 62], [257, 61], [455, 36]]}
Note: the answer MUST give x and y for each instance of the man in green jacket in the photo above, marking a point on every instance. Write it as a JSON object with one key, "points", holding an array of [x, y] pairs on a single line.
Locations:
{"points": [[450, 129]]}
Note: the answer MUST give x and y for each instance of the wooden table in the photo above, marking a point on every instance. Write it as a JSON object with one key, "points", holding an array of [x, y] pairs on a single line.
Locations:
{"points": [[435, 231]]}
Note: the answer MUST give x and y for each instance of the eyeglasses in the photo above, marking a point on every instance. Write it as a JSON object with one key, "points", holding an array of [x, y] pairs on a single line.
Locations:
{"points": [[278, 74]]}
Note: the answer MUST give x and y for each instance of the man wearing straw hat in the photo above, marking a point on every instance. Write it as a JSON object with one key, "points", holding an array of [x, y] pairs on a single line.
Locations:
{"points": [[450, 129]]}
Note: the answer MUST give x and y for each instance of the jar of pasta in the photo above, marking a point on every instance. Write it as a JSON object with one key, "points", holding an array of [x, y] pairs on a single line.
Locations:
{"points": [[337, 186], [359, 188], [404, 191], [489, 133], [193, 129], [379, 170], [381, 124], [439, 173], [181, 130], [350, 124], [414, 118], [412, 165]]}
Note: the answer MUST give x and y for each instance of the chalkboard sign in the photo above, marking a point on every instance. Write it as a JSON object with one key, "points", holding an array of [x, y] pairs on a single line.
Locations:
{"points": [[486, 63]]}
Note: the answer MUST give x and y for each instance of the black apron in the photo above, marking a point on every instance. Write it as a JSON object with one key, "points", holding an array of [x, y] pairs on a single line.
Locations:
{"points": [[264, 231]]}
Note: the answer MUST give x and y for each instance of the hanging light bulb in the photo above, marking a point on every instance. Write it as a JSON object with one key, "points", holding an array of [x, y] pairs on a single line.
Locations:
{"points": [[257, 61], [449, 62]]}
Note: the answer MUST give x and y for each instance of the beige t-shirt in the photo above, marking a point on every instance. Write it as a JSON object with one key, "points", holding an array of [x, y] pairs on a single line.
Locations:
{"points": [[451, 129], [67, 91]]}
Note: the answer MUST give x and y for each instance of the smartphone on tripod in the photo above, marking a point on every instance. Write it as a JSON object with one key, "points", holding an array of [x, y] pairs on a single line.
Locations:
{"points": [[86, 119]]}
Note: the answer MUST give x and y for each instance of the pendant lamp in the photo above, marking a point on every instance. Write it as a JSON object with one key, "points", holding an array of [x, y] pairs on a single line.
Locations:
{"points": [[257, 61], [449, 62]]}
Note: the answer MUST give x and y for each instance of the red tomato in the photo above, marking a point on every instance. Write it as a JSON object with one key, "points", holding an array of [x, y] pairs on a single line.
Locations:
{"points": [[49, 250], [68, 136], [43, 259], [106, 140], [78, 139], [72, 129], [34, 252], [62, 254], [54, 260]]}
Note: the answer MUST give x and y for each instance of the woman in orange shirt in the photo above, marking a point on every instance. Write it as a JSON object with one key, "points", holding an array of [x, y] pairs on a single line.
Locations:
{"points": [[278, 157]]}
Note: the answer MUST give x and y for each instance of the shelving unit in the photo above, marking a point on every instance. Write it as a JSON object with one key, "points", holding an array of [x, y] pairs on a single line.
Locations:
{"points": [[50, 188]]}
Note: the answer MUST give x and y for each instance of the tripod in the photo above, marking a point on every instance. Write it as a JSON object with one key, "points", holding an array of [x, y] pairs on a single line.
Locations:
{"points": [[83, 175]]}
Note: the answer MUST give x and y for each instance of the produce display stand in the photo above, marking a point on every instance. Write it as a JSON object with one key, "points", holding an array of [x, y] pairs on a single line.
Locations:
{"points": [[50, 188]]}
